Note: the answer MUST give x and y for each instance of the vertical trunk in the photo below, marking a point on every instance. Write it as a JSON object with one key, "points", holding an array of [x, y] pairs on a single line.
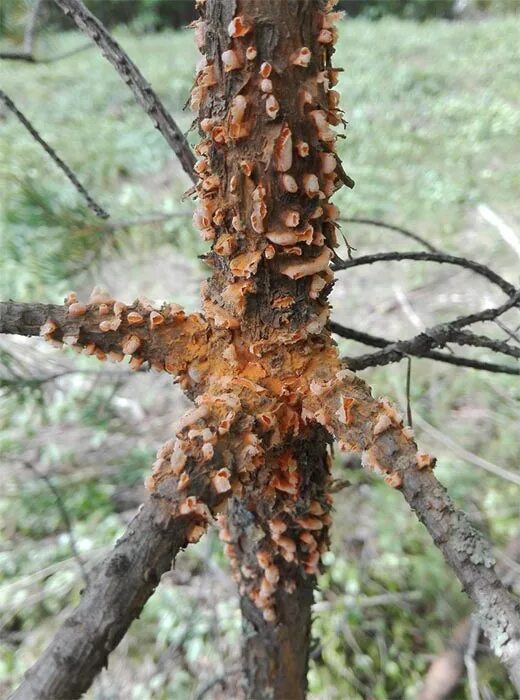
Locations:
{"points": [[275, 656], [267, 168]]}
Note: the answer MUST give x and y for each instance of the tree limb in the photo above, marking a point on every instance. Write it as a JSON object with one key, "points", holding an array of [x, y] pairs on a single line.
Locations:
{"points": [[145, 96], [421, 344], [167, 340], [441, 258], [91, 203], [343, 404], [181, 504], [118, 589]]}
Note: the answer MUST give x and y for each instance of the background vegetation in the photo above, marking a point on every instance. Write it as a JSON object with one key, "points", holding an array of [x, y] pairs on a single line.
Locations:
{"points": [[434, 121]]}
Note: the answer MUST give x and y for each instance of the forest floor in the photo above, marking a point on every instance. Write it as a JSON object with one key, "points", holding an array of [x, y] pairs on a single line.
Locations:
{"points": [[432, 143]]}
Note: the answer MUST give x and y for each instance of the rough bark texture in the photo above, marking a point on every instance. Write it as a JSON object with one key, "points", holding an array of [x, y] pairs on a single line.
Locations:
{"points": [[261, 366], [267, 169]]}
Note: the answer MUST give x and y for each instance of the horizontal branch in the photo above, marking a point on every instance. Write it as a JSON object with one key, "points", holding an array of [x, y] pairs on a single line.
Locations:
{"points": [[91, 203], [442, 258], [17, 56], [31, 58], [131, 75], [167, 339], [421, 345]]}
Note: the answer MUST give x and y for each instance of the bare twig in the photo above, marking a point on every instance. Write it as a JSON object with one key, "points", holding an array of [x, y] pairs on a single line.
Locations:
{"points": [[145, 96], [391, 227], [64, 515], [91, 203], [31, 58], [441, 258], [469, 659], [433, 337], [408, 388]]}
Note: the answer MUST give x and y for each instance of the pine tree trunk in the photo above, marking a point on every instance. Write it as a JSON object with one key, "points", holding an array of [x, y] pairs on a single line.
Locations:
{"points": [[267, 169]]}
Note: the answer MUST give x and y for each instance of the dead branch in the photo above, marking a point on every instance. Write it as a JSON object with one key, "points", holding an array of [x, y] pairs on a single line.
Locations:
{"points": [[31, 58], [91, 203], [145, 96], [422, 343], [379, 342], [442, 258], [391, 227]]}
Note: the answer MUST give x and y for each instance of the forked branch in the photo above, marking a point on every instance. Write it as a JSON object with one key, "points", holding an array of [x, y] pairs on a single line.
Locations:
{"points": [[421, 345]]}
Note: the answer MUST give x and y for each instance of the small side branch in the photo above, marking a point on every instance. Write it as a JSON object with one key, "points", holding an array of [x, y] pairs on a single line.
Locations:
{"points": [[391, 227], [441, 258], [421, 345], [373, 427], [145, 96], [91, 203]]}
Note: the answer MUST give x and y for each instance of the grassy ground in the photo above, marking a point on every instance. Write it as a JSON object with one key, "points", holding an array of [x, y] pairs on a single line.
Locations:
{"points": [[434, 122]]}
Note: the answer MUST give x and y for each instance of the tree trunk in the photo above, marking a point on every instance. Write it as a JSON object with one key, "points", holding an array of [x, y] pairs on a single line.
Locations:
{"points": [[267, 169]]}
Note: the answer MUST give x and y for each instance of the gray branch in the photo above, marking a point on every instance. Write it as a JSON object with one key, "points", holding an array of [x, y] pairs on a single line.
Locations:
{"points": [[91, 203], [143, 93]]}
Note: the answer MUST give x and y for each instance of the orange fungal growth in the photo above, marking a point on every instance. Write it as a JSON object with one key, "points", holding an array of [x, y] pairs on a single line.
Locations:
{"points": [[302, 57], [239, 26], [230, 60]]}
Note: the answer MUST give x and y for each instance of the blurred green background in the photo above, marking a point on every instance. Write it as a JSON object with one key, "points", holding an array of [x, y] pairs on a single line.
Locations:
{"points": [[433, 144]]}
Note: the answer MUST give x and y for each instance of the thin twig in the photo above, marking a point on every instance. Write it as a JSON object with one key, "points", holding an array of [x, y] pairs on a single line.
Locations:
{"points": [[91, 203], [64, 515], [145, 96], [31, 58], [469, 659], [408, 388], [394, 256], [391, 227], [421, 344]]}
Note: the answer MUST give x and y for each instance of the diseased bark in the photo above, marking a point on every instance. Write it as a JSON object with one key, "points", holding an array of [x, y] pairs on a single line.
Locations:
{"points": [[343, 403], [167, 339], [268, 385], [275, 657]]}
